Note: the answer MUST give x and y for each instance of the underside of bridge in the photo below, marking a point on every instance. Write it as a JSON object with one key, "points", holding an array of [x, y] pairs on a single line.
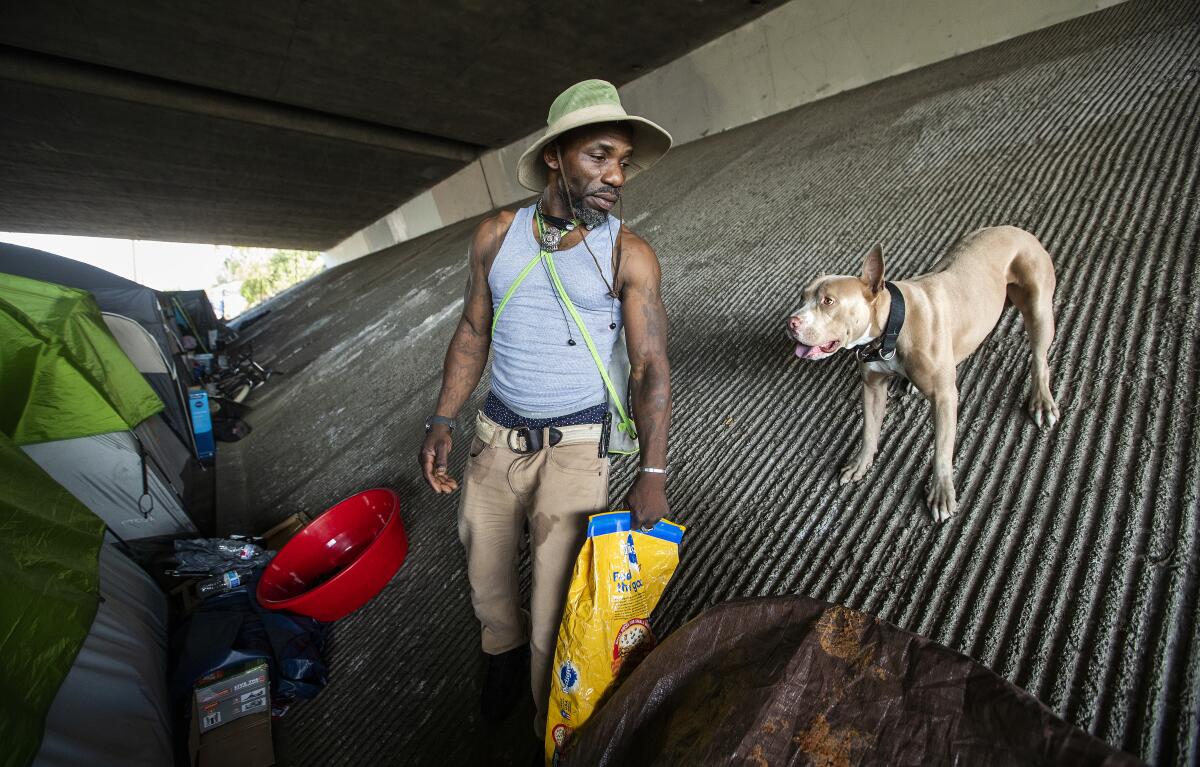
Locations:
{"points": [[289, 124]]}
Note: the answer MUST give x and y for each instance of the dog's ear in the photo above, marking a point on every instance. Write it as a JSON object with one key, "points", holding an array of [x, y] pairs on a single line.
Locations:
{"points": [[872, 269]]}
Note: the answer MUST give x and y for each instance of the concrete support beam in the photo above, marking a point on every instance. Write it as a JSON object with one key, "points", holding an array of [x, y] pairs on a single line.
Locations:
{"points": [[62, 74], [801, 52], [811, 49]]}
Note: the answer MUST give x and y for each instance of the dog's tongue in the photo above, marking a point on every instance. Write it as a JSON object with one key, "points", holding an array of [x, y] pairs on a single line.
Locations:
{"points": [[804, 351]]}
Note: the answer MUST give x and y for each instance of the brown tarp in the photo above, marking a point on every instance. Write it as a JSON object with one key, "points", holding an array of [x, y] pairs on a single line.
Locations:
{"points": [[795, 681]]}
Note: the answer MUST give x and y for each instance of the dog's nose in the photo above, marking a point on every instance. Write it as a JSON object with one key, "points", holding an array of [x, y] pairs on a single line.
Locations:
{"points": [[794, 323]]}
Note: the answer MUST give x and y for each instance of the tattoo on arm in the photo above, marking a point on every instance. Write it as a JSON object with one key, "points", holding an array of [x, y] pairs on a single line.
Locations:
{"points": [[646, 331]]}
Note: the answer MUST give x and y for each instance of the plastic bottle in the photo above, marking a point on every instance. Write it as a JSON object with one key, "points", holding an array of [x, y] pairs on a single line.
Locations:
{"points": [[221, 583]]}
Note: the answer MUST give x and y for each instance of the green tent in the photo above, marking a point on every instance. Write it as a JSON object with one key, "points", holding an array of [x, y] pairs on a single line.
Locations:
{"points": [[62, 375], [49, 545]]}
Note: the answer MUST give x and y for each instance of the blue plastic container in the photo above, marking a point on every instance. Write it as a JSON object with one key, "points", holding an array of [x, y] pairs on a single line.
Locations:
{"points": [[202, 424]]}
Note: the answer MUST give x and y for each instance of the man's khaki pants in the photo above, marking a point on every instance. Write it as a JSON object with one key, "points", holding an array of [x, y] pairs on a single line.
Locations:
{"points": [[554, 489]]}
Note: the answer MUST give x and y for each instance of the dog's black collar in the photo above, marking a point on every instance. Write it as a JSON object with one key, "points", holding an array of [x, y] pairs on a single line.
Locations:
{"points": [[883, 349]]}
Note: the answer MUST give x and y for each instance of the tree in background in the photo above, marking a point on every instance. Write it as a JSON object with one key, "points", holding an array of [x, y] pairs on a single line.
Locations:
{"points": [[266, 273]]}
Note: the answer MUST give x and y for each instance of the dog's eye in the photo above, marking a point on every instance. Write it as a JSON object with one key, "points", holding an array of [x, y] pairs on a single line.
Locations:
{"points": [[827, 301]]}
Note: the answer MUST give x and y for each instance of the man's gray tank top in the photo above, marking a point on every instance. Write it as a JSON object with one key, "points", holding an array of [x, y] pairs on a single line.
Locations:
{"points": [[535, 372]]}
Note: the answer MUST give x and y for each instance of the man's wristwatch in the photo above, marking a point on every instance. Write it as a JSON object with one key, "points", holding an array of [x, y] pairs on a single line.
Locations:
{"points": [[434, 420]]}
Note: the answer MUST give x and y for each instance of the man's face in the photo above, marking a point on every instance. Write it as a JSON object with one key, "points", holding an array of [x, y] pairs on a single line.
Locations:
{"points": [[594, 161]]}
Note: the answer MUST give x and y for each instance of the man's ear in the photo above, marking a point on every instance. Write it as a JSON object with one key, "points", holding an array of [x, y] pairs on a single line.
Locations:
{"points": [[872, 269], [550, 155]]}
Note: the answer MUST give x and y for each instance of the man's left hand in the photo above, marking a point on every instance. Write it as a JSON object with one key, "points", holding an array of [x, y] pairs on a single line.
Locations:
{"points": [[647, 500]]}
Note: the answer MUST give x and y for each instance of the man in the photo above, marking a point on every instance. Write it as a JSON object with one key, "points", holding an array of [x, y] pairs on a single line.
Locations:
{"points": [[537, 457]]}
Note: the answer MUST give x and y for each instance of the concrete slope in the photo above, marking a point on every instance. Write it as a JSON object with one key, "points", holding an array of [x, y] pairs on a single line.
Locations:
{"points": [[1071, 567]]}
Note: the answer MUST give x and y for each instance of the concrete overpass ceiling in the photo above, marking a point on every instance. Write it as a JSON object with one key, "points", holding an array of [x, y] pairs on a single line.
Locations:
{"points": [[290, 123], [81, 164], [464, 69]]}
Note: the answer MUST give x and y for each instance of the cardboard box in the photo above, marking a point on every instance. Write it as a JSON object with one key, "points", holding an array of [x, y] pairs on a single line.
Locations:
{"points": [[283, 532], [231, 693], [245, 742], [184, 591], [231, 718]]}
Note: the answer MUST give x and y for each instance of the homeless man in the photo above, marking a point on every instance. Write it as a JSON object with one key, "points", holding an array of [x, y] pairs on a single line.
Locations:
{"points": [[550, 289]]}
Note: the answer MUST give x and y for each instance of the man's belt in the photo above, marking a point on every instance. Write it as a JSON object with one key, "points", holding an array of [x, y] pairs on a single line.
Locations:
{"points": [[525, 440]]}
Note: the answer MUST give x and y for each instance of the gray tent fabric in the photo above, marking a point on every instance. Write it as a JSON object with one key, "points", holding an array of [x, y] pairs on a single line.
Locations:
{"points": [[159, 371], [113, 706], [114, 294], [138, 344], [169, 454], [172, 452], [104, 472]]}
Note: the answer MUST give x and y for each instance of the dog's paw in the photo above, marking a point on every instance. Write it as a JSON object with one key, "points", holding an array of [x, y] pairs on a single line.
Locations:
{"points": [[855, 471], [1043, 410], [942, 501]]}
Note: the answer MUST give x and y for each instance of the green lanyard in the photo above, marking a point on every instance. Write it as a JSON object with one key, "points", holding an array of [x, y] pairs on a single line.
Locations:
{"points": [[626, 423]]}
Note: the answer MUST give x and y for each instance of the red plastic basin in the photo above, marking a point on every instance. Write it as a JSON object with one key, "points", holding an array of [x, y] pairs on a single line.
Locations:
{"points": [[340, 561]]}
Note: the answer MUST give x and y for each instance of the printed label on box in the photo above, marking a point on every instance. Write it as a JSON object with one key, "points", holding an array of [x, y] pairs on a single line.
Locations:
{"points": [[261, 692], [231, 693]]}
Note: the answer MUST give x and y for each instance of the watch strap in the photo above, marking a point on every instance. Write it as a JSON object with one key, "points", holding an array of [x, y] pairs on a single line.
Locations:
{"points": [[434, 420]]}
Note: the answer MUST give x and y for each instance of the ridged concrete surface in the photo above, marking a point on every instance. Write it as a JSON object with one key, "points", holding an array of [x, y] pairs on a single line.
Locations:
{"points": [[1071, 567]]}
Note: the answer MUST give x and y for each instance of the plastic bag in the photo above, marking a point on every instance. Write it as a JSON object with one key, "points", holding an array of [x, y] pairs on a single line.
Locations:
{"points": [[620, 441], [213, 556], [618, 579]]}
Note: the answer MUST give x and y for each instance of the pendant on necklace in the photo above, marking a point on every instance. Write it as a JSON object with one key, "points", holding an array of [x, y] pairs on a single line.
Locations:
{"points": [[551, 237]]}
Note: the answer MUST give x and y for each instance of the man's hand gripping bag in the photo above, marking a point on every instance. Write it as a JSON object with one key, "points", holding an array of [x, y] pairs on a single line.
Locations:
{"points": [[618, 579]]}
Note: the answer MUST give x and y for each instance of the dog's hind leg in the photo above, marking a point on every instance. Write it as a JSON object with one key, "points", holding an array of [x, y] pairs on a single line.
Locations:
{"points": [[1035, 300]]}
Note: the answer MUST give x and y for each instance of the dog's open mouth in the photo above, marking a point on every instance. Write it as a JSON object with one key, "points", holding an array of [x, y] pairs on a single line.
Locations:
{"points": [[804, 351]]}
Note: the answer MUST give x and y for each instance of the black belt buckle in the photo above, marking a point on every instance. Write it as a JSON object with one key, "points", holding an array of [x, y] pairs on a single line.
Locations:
{"points": [[533, 439]]}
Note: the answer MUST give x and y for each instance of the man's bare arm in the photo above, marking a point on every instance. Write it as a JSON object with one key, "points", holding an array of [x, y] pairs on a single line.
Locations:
{"points": [[645, 319], [468, 351]]}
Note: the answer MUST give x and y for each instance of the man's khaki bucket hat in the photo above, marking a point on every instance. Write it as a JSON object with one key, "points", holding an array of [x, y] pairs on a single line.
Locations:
{"points": [[588, 103]]}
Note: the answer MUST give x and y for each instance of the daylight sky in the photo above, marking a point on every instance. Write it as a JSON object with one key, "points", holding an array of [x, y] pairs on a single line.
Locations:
{"points": [[159, 265]]}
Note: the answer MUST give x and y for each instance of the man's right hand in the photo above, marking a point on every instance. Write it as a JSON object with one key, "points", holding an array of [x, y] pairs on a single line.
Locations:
{"points": [[434, 458]]}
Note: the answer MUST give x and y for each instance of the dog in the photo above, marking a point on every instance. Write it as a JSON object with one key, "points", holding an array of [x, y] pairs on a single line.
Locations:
{"points": [[944, 316]]}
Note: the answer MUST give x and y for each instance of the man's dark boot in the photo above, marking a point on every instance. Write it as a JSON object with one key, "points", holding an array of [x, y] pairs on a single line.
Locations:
{"points": [[507, 676]]}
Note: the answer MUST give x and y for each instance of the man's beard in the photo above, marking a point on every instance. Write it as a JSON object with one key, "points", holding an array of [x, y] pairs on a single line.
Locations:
{"points": [[587, 215]]}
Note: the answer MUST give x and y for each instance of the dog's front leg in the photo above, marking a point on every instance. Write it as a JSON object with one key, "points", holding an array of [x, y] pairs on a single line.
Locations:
{"points": [[942, 501], [874, 405]]}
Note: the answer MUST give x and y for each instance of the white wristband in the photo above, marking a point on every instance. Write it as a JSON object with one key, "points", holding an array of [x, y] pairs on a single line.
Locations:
{"points": [[652, 470]]}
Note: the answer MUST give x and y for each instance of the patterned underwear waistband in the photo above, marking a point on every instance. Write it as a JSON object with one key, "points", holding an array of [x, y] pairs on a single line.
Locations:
{"points": [[496, 410]]}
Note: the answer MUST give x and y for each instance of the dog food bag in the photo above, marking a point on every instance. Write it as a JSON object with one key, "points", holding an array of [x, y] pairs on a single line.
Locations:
{"points": [[618, 579]]}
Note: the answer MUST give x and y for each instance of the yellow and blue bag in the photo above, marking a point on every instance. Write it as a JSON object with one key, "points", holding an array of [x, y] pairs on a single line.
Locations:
{"points": [[618, 579]]}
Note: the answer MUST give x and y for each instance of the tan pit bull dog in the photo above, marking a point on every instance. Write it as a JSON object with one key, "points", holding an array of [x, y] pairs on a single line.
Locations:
{"points": [[939, 319]]}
